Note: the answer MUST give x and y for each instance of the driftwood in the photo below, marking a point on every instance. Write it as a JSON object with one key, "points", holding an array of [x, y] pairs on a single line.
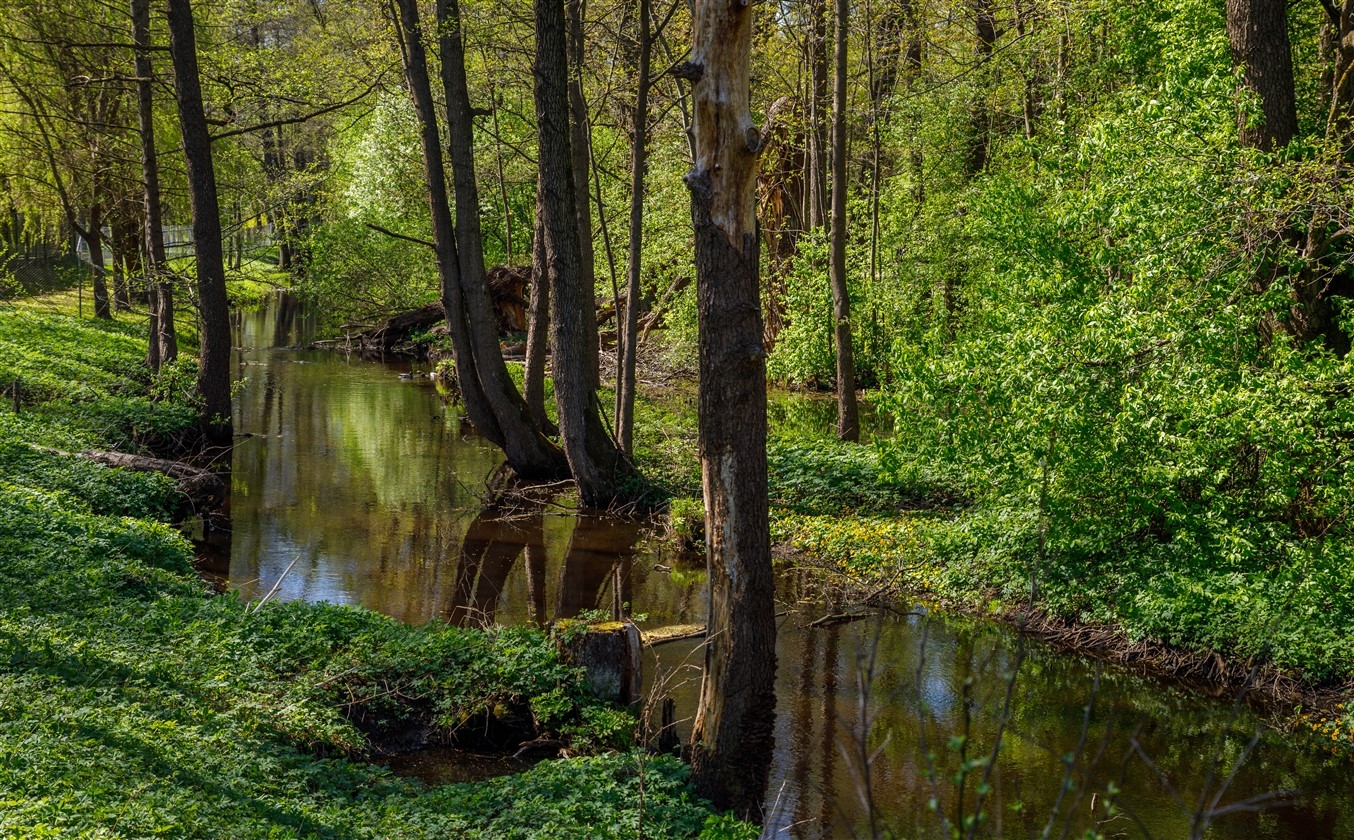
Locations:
{"points": [[671, 633], [384, 336], [203, 487]]}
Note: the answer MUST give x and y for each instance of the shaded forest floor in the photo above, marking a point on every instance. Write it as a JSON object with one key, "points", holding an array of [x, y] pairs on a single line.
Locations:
{"points": [[134, 702]]}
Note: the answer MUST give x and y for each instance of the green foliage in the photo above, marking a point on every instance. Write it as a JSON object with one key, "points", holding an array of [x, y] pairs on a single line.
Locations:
{"points": [[1086, 344], [623, 796], [134, 702], [837, 478]]}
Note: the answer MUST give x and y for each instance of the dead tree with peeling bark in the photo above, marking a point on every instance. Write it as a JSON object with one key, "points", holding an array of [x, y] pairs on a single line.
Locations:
{"points": [[733, 736]]}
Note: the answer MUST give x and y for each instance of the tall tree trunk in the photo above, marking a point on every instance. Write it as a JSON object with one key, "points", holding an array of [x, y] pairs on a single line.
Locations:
{"points": [[213, 381], [627, 331], [414, 56], [733, 734], [529, 452], [600, 469], [580, 149], [538, 324], [1258, 31], [848, 416], [159, 294], [816, 190]]}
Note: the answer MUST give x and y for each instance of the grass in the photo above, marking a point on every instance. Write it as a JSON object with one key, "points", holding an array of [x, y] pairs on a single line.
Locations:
{"points": [[133, 702]]}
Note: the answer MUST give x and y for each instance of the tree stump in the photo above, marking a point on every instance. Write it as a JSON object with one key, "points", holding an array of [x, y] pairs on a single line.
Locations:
{"points": [[609, 652]]}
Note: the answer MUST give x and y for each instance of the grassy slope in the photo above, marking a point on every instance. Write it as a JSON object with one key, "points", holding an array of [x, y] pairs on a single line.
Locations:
{"points": [[134, 703]]}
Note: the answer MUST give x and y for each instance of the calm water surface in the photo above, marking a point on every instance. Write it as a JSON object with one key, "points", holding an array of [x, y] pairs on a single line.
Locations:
{"points": [[369, 486]]}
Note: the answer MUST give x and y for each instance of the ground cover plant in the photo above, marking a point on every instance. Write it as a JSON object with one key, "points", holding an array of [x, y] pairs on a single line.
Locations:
{"points": [[133, 702]]}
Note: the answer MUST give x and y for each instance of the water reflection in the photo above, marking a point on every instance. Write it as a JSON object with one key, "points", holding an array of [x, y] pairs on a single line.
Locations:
{"points": [[370, 488], [934, 698]]}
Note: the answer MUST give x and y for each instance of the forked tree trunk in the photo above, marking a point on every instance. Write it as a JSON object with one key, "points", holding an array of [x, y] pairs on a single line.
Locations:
{"points": [[1258, 31], [733, 735], [601, 470], [414, 56], [529, 452], [627, 333], [213, 381], [848, 415]]}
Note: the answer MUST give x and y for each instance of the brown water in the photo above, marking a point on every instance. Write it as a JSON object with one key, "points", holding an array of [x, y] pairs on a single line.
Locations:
{"points": [[369, 486]]}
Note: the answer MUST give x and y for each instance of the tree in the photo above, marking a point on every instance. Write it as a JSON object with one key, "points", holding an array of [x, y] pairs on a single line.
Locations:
{"points": [[732, 738], [627, 330], [601, 470], [538, 324], [527, 450], [63, 75], [530, 453], [163, 345], [213, 381], [1258, 31], [848, 415]]}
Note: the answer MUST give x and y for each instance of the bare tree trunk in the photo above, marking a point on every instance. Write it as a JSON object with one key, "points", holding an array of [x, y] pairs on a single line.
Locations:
{"points": [[627, 332], [848, 415], [816, 194], [601, 470], [164, 344], [93, 234], [580, 148], [538, 325], [985, 39], [117, 245], [1258, 31], [529, 452], [414, 56], [733, 735], [213, 381]]}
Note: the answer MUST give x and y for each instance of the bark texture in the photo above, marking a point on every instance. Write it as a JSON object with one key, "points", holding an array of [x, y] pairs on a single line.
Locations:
{"points": [[580, 150], [164, 342], [414, 57], [600, 469], [848, 415], [733, 735], [628, 329], [213, 379], [1258, 31], [529, 452]]}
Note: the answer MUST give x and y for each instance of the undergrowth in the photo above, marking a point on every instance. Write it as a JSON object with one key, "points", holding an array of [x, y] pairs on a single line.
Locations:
{"points": [[133, 702]]}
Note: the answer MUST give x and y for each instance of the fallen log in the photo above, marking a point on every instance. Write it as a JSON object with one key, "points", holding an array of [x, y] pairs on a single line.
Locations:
{"points": [[671, 633], [204, 488]]}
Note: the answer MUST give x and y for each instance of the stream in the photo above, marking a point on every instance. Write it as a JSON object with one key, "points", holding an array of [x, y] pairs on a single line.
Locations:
{"points": [[364, 482]]}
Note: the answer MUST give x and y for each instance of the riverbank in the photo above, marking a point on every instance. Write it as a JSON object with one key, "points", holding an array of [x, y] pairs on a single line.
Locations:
{"points": [[1279, 636], [132, 700]]}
